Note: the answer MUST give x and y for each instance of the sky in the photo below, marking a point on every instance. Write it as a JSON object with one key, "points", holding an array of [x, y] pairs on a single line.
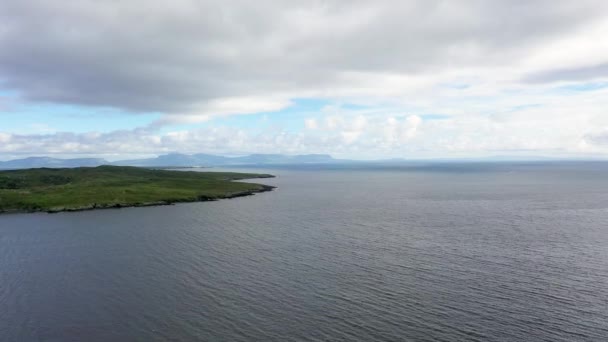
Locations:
{"points": [[354, 79]]}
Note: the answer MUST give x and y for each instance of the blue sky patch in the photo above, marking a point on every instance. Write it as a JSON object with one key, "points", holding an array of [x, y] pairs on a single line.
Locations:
{"points": [[581, 87], [49, 118]]}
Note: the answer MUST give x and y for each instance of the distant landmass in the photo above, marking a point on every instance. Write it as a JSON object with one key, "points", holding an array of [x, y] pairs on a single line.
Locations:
{"points": [[302, 160], [170, 160], [37, 162], [201, 159]]}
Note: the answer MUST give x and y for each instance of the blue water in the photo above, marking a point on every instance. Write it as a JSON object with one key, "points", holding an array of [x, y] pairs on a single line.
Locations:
{"points": [[472, 252]]}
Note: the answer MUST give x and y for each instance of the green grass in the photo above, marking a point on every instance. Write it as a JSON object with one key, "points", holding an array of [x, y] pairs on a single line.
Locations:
{"points": [[115, 186]]}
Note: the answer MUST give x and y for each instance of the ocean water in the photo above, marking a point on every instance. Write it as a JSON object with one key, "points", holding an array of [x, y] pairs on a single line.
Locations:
{"points": [[447, 252]]}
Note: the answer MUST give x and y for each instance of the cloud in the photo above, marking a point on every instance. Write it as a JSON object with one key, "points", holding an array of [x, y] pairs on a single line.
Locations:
{"points": [[311, 124], [573, 74], [4, 137], [597, 138], [348, 133], [196, 59], [422, 78]]}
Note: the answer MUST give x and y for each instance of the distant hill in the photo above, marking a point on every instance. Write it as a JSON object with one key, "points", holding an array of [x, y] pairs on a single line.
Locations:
{"points": [[310, 161], [172, 160], [36, 162], [178, 159]]}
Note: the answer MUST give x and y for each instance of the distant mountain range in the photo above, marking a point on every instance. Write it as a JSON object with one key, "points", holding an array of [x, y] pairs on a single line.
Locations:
{"points": [[210, 160], [34, 162], [201, 159], [171, 160]]}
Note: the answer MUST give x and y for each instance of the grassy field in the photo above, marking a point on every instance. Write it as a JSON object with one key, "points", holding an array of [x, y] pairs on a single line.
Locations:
{"points": [[84, 188]]}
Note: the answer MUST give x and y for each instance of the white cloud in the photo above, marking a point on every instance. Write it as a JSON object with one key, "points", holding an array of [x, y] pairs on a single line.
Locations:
{"points": [[311, 123], [493, 68], [352, 134], [194, 59], [4, 137], [553, 123]]}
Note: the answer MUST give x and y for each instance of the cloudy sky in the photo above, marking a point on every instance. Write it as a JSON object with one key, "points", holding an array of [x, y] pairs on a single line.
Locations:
{"points": [[356, 79]]}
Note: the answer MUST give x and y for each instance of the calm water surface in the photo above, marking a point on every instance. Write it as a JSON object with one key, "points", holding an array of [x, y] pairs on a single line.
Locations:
{"points": [[474, 253]]}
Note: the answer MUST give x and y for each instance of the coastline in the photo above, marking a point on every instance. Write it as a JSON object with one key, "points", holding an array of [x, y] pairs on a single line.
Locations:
{"points": [[111, 187], [95, 206]]}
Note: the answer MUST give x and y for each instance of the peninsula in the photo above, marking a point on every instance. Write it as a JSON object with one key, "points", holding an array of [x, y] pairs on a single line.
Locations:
{"points": [[84, 188]]}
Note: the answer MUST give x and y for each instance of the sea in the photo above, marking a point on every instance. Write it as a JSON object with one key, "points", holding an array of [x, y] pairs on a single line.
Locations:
{"points": [[448, 251]]}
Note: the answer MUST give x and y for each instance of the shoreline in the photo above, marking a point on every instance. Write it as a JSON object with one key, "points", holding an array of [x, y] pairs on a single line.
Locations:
{"points": [[95, 206], [113, 187]]}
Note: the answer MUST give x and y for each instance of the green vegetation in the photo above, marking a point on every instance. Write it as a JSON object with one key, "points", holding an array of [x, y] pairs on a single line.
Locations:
{"points": [[84, 188]]}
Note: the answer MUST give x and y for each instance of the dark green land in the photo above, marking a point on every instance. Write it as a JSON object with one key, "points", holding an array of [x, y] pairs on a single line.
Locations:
{"points": [[84, 188]]}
